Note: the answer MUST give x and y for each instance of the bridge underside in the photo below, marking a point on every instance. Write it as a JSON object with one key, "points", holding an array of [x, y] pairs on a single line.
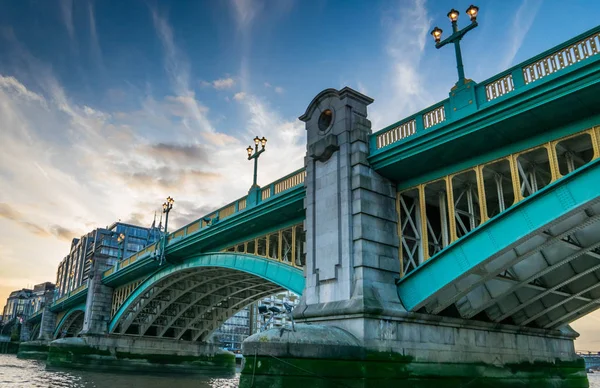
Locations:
{"points": [[547, 280], [537, 266], [190, 304], [71, 326]]}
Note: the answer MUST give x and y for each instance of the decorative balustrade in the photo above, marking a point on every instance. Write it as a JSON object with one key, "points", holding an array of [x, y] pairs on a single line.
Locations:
{"points": [[225, 212], [397, 133], [563, 58], [552, 61], [269, 191], [265, 193], [288, 182], [499, 87], [71, 293], [434, 117]]}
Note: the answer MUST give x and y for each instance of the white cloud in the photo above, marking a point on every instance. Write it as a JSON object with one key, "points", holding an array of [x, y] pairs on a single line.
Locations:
{"points": [[267, 85], [239, 96], [223, 83], [279, 90], [407, 28], [520, 25], [178, 69]]}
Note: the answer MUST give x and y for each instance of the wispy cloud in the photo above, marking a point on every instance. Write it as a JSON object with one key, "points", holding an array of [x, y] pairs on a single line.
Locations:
{"points": [[66, 11], [239, 96], [520, 25], [246, 11], [178, 71], [223, 83], [407, 28], [219, 84], [9, 213], [94, 42]]}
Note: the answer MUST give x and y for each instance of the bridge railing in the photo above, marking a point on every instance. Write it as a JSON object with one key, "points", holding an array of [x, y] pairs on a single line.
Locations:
{"points": [[71, 293], [268, 192], [35, 314], [520, 77]]}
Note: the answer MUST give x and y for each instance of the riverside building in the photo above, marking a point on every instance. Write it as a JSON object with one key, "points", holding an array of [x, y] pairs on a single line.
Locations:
{"points": [[74, 269]]}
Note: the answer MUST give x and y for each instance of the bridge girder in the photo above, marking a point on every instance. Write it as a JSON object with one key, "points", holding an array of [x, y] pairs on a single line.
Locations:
{"points": [[190, 300], [547, 276]]}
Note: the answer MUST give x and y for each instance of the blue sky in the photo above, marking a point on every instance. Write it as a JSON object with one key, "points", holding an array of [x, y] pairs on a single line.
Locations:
{"points": [[107, 107]]}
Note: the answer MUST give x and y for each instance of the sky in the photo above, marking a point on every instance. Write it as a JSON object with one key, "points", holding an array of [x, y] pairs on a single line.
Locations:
{"points": [[107, 107]]}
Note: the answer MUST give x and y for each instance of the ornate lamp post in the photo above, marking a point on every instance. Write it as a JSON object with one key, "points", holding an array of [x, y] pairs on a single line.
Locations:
{"points": [[256, 154], [456, 36], [167, 206], [121, 241]]}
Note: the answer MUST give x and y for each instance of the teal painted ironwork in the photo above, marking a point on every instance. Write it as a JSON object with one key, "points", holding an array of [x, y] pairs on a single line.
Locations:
{"points": [[256, 154], [80, 307], [543, 207], [273, 271], [72, 298], [456, 37], [281, 193], [210, 239], [520, 85]]}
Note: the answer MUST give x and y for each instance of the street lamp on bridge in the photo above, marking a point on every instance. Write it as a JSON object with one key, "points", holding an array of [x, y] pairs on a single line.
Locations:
{"points": [[456, 36], [256, 154], [120, 242], [167, 206]]}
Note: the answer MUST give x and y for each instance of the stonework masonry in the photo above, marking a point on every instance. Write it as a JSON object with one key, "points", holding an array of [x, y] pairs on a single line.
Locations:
{"points": [[48, 323], [353, 329], [351, 243], [99, 300]]}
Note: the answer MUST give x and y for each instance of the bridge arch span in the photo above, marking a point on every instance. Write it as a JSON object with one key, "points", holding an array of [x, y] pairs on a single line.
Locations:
{"points": [[191, 299], [71, 322], [537, 264]]}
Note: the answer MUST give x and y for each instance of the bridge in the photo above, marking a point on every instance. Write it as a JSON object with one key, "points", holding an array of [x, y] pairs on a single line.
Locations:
{"points": [[592, 359], [466, 233]]}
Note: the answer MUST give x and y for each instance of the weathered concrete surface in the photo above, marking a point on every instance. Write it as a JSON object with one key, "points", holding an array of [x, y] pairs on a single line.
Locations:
{"points": [[351, 224], [122, 353], [48, 323], [99, 300], [36, 350], [420, 354]]}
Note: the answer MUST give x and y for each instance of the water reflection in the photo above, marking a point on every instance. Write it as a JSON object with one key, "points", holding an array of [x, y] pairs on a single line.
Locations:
{"points": [[28, 373]]}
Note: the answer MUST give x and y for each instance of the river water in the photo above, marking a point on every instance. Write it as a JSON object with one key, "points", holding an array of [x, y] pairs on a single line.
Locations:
{"points": [[16, 373]]}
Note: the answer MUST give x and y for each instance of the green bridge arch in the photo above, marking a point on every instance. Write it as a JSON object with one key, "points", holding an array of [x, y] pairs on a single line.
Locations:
{"points": [[67, 317], [536, 264], [279, 275]]}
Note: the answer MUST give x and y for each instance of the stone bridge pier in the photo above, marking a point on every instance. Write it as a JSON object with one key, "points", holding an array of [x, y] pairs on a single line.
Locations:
{"points": [[36, 334], [353, 329]]}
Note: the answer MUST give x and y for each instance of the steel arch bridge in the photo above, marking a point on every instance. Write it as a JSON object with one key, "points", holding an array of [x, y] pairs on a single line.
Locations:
{"points": [[70, 323], [192, 299], [535, 264]]}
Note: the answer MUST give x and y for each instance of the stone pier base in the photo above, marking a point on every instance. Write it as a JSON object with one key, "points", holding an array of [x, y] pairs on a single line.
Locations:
{"points": [[129, 354], [36, 350], [412, 352]]}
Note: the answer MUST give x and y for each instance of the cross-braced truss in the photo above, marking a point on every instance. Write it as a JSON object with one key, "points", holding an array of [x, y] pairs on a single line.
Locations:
{"points": [[434, 214], [551, 279], [72, 325], [191, 304]]}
